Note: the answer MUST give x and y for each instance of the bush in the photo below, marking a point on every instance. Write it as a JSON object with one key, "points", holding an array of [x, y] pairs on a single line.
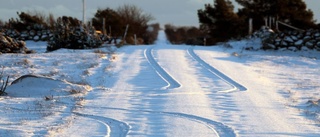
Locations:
{"points": [[70, 33], [118, 19], [152, 33], [1, 25], [10, 45], [28, 21], [184, 35], [113, 26]]}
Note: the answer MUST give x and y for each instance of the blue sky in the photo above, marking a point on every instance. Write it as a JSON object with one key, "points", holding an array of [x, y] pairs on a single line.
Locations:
{"points": [[177, 12]]}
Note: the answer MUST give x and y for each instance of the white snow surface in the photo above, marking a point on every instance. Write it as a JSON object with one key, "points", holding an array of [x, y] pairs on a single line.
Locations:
{"points": [[162, 90]]}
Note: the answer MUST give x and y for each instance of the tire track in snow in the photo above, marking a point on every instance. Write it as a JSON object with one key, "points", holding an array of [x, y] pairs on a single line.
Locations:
{"points": [[218, 128], [114, 127], [172, 83], [236, 86]]}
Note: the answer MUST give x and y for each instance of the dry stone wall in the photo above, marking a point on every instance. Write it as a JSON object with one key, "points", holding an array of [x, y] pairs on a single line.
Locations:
{"points": [[35, 35], [63, 36], [293, 40]]}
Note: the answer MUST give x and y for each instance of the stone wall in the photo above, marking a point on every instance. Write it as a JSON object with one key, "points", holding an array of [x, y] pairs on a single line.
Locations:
{"points": [[29, 34], [293, 40], [63, 36]]}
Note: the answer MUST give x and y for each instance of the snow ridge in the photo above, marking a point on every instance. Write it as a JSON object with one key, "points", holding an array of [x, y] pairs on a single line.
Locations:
{"points": [[219, 129], [214, 71], [172, 83], [116, 129]]}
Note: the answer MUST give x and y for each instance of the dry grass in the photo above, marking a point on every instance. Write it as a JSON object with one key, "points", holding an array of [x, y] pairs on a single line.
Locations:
{"points": [[98, 51], [113, 57], [75, 91], [24, 62], [86, 72], [3, 84]]}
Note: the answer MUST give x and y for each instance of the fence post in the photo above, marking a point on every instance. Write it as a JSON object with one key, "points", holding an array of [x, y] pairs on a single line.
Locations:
{"points": [[270, 22], [265, 21], [125, 33], [104, 27], [273, 21], [135, 39], [250, 26]]}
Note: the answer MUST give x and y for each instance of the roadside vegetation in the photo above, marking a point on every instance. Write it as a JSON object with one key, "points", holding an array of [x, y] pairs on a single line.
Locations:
{"points": [[128, 24], [184, 35], [221, 23], [130, 18], [3, 84]]}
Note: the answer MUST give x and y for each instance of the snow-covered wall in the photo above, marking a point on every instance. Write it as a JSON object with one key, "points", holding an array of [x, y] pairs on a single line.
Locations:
{"points": [[63, 36], [30, 34], [293, 40]]}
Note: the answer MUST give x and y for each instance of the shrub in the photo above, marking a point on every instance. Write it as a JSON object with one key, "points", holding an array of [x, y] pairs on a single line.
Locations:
{"points": [[3, 84], [184, 35], [70, 33], [152, 33], [10, 45], [27, 21], [1, 24], [117, 20]]}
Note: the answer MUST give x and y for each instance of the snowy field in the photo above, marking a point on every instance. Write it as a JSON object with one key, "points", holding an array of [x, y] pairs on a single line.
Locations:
{"points": [[162, 90]]}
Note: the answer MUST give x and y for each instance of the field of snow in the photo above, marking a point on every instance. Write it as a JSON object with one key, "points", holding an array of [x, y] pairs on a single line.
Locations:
{"points": [[161, 90]]}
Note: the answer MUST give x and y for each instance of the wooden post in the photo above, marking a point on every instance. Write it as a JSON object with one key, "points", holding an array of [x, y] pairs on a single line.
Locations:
{"points": [[270, 21], [104, 27], [250, 26], [285, 24], [125, 33], [135, 39], [273, 21], [265, 21]]}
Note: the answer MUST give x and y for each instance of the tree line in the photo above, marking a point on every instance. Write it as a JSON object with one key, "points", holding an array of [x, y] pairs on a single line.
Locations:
{"points": [[221, 23], [218, 21], [116, 22]]}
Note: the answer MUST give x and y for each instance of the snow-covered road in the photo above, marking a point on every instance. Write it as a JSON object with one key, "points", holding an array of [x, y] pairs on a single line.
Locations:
{"points": [[168, 90], [164, 90], [138, 96]]}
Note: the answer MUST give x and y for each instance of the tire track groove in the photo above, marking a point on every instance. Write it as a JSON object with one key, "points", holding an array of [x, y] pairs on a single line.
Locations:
{"points": [[214, 71], [172, 83]]}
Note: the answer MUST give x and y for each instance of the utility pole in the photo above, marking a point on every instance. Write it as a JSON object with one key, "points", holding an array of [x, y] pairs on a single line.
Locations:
{"points": [[83, 11]]}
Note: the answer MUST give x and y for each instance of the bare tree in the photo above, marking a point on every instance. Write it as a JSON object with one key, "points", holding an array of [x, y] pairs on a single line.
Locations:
{"points": [[137, 20], [134, 14]]}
